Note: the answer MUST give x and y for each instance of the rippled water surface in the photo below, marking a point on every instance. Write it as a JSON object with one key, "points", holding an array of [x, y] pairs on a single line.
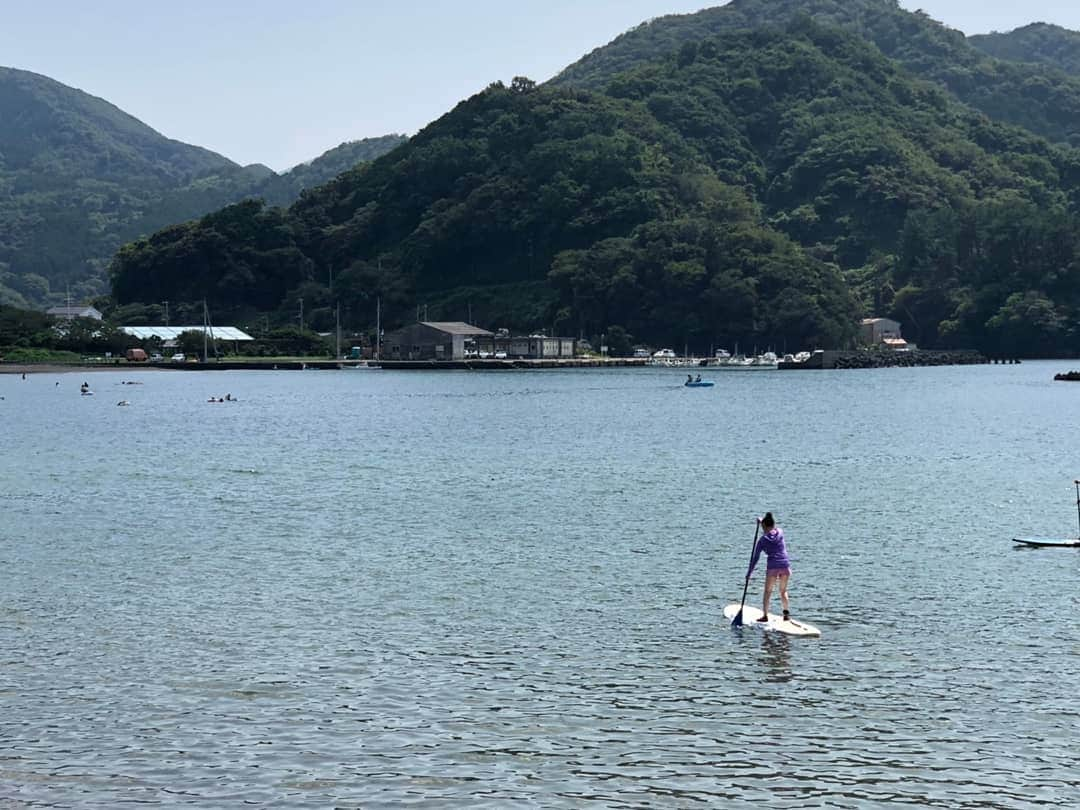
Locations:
{"points": [[365, 589]]}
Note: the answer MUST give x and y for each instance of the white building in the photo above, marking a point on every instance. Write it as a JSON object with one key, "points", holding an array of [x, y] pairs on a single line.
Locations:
{"points": [[882, 331]]}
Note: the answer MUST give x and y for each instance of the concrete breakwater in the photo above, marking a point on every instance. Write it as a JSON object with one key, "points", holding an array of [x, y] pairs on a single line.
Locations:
{"points": [[497, 365], [872, 359]]}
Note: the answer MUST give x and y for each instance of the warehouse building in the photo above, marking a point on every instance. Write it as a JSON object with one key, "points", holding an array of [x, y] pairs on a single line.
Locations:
{"points": [[432, 340]]}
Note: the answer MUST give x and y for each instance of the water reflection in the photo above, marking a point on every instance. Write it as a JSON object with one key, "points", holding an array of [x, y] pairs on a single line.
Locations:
{"points": [[776, 655]]}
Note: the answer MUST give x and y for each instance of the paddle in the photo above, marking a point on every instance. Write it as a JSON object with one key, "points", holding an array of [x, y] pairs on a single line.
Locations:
{"points": [[737, 621], [1077, 482]]}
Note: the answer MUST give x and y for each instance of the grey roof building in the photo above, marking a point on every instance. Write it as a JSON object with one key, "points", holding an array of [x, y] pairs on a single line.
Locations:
{"points": [[431, 340]]}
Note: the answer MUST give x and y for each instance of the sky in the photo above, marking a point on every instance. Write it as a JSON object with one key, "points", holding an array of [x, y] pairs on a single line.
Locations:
{"points": [[279, 82]]}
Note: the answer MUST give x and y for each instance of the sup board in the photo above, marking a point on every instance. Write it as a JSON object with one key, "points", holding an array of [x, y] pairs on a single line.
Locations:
{"points": [[1039, 542], [776, 623]]}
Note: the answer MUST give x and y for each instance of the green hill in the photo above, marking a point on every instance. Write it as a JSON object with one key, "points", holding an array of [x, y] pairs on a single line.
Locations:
{"points": [[1044, 44], [533, 207], [75, 173], [757, 185], [1028, 95], [79, 177], [214, 190], [284, 189]]}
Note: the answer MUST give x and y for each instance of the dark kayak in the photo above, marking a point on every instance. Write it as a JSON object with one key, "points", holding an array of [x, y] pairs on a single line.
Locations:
{"points": [[700, 384]]}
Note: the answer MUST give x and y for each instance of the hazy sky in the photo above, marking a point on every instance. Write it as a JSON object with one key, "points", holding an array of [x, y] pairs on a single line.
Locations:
{"points": [[281, 81]]}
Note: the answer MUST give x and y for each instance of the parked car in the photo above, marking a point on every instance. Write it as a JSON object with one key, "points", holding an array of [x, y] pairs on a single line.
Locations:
{"points": [[156, 357], [135, 356], [500, 355], [178, 358]]}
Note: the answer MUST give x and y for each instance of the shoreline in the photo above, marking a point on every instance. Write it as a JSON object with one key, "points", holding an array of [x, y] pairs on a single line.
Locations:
{"points": [[61, 368]]}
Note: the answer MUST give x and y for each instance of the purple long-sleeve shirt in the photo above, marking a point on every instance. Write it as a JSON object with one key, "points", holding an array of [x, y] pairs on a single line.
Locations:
{"points": [[772, 543]]}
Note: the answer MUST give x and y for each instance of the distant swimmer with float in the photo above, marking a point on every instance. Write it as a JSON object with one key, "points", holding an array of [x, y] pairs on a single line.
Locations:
{"points": [[777, 574]]}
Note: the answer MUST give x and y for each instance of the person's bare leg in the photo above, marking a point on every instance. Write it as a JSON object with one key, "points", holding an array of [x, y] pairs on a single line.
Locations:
{"points": [[768, 597], [783, 594]]}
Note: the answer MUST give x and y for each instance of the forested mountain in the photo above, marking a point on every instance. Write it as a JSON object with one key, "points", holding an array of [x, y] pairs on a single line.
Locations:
{"points": [[1046, 44], [1029, 95], [75, 172], [212, 191], [756, 185], [285, 188], [79, 177], [474, 211]]}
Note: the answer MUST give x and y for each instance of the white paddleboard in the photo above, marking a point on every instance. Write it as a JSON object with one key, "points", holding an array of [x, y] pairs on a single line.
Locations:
{"points": [[1040, 542], [750, 616]]}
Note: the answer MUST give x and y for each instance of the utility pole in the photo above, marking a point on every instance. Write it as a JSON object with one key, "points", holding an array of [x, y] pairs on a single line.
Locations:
{"points": [[166, 305]]}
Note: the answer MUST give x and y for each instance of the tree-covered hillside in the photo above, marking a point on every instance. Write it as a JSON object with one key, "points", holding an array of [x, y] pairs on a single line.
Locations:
{"points": [[75, 172], [1028, 95], [285, 188], [79, 177], [530, 207], [722, 193], [1045, 44]]}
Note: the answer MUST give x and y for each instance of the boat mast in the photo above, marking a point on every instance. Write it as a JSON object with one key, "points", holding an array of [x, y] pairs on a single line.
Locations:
{"points": [[208, 328], [378, 328], [337, 322]]}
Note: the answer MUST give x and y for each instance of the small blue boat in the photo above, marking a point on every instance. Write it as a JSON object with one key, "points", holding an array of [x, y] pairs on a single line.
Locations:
{"points": [[699, 384]]}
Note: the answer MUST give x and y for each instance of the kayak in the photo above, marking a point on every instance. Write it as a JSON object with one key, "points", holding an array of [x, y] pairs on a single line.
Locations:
{"points": [[699, 384]]}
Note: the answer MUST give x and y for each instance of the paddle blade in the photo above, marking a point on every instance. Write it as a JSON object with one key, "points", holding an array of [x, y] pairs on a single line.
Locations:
{"points": [[737, 621]]}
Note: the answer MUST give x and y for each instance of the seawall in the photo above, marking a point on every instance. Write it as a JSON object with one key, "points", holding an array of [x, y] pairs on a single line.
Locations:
{"points": [[868, 359]]}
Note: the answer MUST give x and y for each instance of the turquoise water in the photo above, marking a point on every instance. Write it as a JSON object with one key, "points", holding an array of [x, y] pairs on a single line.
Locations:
{"points": [[375, 589]]}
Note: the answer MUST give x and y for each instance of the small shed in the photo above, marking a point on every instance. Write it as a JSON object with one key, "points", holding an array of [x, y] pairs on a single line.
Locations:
{"points": [[431, 340], [875, 331]]}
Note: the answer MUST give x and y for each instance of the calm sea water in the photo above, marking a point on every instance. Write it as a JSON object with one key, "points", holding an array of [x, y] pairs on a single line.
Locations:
{"points": [[376, 589]]}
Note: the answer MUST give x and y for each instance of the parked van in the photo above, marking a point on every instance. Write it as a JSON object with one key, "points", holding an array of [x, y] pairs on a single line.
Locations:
{"points": [[136, 356]]}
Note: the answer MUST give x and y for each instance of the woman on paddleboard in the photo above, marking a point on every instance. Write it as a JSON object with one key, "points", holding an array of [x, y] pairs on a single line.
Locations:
{"points": [[777, 566]]}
